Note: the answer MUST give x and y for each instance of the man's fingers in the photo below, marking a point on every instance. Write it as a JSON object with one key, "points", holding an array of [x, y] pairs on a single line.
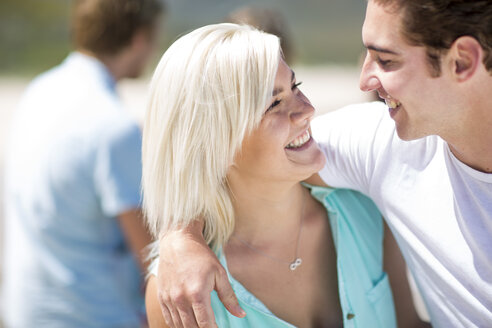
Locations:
{"points": [[204, 314], [175, 317], [167, 315], [187, 317], [226, 294], [187, 272]]}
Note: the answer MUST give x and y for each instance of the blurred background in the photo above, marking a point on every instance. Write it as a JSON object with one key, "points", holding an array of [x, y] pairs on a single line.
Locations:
{"points": [[325, 37], [34, 34]]}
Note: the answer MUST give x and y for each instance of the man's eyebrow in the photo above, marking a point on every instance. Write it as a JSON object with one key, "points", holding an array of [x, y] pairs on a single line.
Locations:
{"points": [[383, 50], [279, 90]]}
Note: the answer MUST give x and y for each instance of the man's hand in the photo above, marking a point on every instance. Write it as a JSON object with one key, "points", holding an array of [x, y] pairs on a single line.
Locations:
{"points": [[188, 272]]}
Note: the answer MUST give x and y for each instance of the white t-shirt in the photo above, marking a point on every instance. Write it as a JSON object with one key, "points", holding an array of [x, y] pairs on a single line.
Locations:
{"points": [[439, 209]]}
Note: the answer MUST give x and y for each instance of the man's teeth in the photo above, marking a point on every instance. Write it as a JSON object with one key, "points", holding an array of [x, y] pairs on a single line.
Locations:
{"points": [[300, 141], [392, 103]]}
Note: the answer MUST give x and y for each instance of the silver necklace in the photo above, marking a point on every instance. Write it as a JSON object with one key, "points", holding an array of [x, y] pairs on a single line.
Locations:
{"points": [[297, 260]]}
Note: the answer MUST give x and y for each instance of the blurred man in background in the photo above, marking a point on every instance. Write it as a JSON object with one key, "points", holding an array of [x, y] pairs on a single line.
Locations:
{"points": [[269, 20], [74, 232]]}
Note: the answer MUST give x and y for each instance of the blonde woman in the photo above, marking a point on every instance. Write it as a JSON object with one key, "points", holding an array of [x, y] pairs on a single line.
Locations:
{"points": [[227, 138]]}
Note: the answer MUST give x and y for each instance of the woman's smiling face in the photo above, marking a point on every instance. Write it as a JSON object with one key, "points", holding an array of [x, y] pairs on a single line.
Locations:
{"points": [[281, 147]]}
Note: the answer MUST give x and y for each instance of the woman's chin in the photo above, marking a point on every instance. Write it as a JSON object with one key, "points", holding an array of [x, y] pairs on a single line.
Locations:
{"points": [[310, 158]]}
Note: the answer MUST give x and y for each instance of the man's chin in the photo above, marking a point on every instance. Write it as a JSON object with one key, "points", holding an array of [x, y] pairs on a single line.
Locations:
{"points": [[406, 134]]}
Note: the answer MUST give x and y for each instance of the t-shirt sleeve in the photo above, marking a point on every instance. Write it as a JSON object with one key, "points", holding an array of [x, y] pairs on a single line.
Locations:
{"points": [[118, 170], [352, 139]]}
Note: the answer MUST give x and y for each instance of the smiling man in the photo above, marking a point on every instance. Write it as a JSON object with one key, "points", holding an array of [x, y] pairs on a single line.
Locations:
{"points": [[425, 159], [427, 164]]}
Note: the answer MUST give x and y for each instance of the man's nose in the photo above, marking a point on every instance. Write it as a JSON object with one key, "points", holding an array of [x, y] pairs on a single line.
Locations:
{"points": [[368, 81]]}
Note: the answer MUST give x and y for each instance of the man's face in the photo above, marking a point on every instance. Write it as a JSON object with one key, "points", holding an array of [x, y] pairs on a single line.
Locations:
{"points": [[143, 46], [400, 73]]}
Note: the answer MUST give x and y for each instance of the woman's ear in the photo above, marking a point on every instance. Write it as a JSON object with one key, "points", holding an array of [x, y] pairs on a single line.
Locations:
{"points": [[466, 55]]}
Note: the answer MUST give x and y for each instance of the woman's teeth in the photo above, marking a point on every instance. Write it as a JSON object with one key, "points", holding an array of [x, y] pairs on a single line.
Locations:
{"points": [[392, 103], [300, 141]]}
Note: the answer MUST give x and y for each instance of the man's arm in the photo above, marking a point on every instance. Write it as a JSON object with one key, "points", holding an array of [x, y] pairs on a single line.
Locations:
{"points": [[188, 272], [136, 235]]}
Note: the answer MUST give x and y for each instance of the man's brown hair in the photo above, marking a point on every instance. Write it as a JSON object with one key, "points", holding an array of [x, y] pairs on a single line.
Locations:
{"points": [[107, 26], [436, 24]]}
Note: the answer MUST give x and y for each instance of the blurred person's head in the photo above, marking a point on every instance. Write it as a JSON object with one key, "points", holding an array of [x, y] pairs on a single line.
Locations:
{"points": [[267, 20], [431, 61], [117, 29], [221, 100]]}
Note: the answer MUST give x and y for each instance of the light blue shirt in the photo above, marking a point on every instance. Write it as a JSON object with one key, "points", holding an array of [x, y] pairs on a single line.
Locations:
{"points": [[364, 290], [73, 165]]}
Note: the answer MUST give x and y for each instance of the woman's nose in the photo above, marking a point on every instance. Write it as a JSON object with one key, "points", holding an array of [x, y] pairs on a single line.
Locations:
{"points": [[303, 110]]}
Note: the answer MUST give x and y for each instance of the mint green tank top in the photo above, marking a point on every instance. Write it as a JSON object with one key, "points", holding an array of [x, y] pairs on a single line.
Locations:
{"points": [[364, 290]]}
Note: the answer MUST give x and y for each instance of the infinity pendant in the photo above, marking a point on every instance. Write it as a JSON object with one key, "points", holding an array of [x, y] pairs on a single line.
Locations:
{"points": [[295, 264]]}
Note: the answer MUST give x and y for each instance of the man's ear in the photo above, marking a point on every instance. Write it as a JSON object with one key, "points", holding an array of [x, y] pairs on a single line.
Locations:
{"points": [[467, 56]]}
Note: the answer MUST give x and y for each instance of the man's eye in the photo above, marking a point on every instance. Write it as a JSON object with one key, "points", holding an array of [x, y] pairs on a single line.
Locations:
{"points": [[383, 63], [275, 103]]}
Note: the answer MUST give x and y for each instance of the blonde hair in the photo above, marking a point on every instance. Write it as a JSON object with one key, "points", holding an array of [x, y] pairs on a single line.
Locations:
{"points": [[209, 90]]}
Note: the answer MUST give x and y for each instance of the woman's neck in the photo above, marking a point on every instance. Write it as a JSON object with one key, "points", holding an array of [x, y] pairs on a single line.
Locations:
{"points": [[266, 211]]}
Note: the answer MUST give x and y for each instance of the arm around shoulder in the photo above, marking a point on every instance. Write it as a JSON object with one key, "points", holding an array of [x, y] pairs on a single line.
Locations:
{"points": [[188, 272]]}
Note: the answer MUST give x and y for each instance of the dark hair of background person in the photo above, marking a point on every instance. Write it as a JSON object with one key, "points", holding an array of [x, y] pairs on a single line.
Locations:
{"points": [[267, 20], [436, 24], [107, 26]]}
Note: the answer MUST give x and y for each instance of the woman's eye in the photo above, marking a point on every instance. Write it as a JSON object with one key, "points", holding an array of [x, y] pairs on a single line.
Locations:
{"points": [[275, 103], [294, 86]]}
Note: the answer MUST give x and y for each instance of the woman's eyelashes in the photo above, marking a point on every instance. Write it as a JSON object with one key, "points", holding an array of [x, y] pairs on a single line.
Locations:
{"points": [[295, 85], [277, 101]]}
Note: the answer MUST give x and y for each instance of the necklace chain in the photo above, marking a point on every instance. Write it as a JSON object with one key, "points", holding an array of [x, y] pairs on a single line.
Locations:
{"points": [[297, 260]]}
